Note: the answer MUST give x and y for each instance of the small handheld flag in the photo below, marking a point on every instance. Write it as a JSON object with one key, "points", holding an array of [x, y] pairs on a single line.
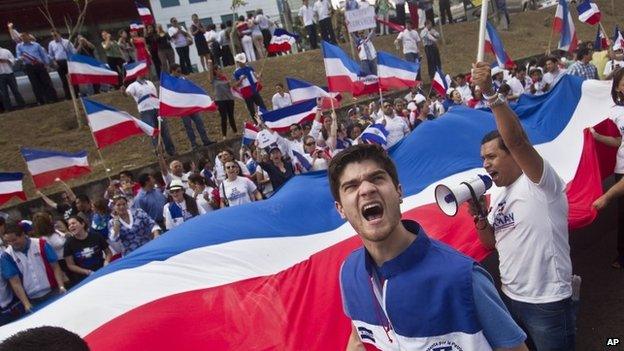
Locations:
{"points": [[46, 166], [588, 12], [181, 97], [11, 186]]}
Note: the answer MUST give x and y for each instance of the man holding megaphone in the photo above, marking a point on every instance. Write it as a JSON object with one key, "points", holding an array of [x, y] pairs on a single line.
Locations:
{"points": [[528, 225]]}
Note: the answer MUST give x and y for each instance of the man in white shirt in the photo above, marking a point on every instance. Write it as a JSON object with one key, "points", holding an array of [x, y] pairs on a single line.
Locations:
{"points": [[306, 13], [614, 64], [367, 53], [410, 39], [280, 99], [60, 50], [430, 37], [264, 23], [553, 73], [528, 226], [463, 87], [181, 41], [7, 80], [323, 10], [519, 83], [396, 126], [144, 93]]}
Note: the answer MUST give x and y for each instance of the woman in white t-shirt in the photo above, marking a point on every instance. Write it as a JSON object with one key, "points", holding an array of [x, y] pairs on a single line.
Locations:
{"points": [[617, 116], [236, 189]]}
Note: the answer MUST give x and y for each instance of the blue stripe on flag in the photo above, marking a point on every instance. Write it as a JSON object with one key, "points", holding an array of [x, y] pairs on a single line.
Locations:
{"points": [[386, 59], [88, 60], [35, 154], [179, 85], [333, 51], [11, 176], [276, 115], [92, 106]]}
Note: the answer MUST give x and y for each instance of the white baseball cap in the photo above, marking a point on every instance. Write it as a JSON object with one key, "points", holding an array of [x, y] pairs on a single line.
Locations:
{"points": [[240, 58]]}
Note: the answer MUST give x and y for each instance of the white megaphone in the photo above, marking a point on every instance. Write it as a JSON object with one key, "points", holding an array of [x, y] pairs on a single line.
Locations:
{"points": [[449, 199]]}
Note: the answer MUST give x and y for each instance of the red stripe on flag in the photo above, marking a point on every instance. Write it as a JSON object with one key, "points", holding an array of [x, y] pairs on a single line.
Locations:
{"points": [[116, 133], [4, 198], [47, 178], [340, 84], [172, 111], [93, 79], [398, 83]]}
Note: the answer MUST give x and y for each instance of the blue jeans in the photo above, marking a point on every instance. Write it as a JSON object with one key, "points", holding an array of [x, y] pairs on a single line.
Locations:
{"points": [[551, 326], [199, 124], [151, 117], [368, 67]]}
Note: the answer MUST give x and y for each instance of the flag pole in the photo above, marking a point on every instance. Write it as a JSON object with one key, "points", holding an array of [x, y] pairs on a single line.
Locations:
{"points": [[72, 93], [97, 147], [482, 27], [602, 28], [380, 95]]}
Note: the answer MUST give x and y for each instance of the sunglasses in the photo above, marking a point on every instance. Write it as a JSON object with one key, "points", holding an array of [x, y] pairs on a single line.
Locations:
{"points": [[231, 167], [310, 144]]}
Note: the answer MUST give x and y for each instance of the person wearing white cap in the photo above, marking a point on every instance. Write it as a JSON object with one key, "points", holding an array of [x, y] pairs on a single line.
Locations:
{"points": [[498, 75], [181, 207], [246, 81], [538, 85], [396, 126]]}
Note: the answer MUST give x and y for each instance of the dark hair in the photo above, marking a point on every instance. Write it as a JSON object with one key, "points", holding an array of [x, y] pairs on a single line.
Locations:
{"points": [[197, 179], [359, 153], [460, 76], [44, 338], [582, 52], [174, 67], [13, 227], [492, 136], [222, 25], [143, 179], [83, 198], [101, 205], [229, 23], [241, 18], [504, 89], [81, 221], [618, 97], [42, 224], [127, 174], [2, 220], [279, 85], [552, 59], [186, 166]]}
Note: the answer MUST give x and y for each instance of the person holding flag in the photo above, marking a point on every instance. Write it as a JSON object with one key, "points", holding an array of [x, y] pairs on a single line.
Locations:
{"points": [[246, 80], [145, 94], [223, 97]]}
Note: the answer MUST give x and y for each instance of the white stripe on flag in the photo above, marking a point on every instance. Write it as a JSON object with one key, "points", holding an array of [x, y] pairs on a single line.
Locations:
{"points": [[74, 67], [10, 186], [335, 67], [48, 164], [392, 72], [175, 99], [106, 119]]}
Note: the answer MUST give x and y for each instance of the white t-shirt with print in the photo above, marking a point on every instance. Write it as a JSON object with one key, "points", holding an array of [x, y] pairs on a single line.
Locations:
{"points": [[531, 230], [204, 199], [617, 116], [612, 66], [410, 39], [397, 128], [237, 192]]}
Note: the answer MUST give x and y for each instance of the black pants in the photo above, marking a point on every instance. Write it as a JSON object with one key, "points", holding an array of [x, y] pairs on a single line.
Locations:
{"points": [[156, 61], [400, 15], [266, 40], [430, 15], [226, 110], [7, 81], [41, 83], [620, 224], [62, 71], [116, 64], [226, 55], [185, 60], [433, 59], [312, 35], [256, 100], [445, 11], [327, 30]]}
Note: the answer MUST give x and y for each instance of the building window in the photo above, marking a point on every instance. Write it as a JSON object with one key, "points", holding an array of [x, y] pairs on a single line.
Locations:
{"points": [[225, 18], [194, 1], [169, 3], [252, 12], [206, 21]]}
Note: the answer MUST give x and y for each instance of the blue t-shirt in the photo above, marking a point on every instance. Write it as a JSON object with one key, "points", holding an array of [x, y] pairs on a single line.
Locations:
{"points": [[499, 328], [9, 267], [152, 202]]}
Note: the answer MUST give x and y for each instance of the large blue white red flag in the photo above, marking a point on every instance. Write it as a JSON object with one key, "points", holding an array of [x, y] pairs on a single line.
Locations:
{"points": [[110, 126], [264, 276], [46, 166], [281, 119], [250, 133], [341, 71], [181, 97], [135, 69], [395, 73], [87, 70], [300, 91], [11, 187], [494, 44], [600, 42], [440, 82], [564, 25], [588, 12], [282, 41], [145, 14]]}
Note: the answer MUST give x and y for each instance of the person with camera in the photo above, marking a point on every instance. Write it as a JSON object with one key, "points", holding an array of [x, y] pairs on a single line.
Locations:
{"points": [[527, 225], [181, 41]]}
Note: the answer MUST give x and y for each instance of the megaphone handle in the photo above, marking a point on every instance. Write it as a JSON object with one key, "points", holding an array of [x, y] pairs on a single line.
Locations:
{"points": [[475, 199]]}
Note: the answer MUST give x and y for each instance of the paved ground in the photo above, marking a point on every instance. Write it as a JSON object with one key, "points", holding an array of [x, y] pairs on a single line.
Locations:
{"points": [[601, 314]]}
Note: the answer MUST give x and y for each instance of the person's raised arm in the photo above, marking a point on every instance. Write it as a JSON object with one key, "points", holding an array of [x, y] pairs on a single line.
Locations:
{"points": [[70, 193], [354, 343], [333, 132], [509, 127], [47, 200]]}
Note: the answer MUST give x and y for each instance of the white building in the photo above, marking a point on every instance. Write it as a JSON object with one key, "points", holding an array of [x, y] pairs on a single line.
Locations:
{"points": [[212, 12]]}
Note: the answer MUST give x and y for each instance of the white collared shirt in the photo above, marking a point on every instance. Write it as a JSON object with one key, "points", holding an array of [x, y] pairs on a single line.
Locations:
{"points": [[6, 67], [140, 90], [60, 50], [307, 15], [321, 7], [280, 101]]}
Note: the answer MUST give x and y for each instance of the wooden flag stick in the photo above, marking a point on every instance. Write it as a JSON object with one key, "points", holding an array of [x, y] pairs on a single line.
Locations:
{"points": [[72, 93], [97, 147]]}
